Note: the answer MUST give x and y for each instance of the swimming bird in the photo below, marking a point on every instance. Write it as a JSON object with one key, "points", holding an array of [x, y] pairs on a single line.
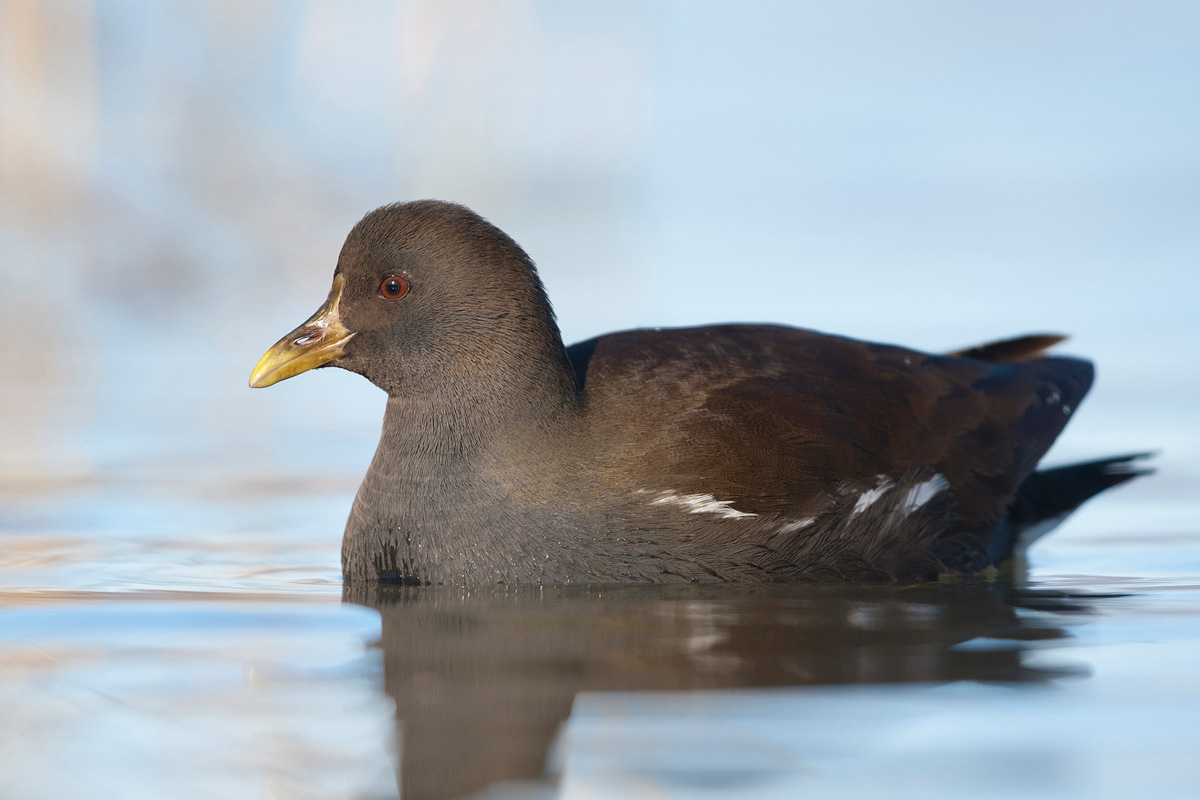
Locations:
{"points": [[742, 452]]}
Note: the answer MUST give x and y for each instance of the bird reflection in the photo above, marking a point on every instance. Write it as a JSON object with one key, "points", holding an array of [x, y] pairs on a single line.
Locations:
{"points": [[483, 678]]}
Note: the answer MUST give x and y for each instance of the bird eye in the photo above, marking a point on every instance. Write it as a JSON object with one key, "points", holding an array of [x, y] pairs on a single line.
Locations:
{"points": [[393, 287]]}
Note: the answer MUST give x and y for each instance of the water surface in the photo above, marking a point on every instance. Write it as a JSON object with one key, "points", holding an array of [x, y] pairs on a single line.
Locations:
{"points": [[279, 683]]}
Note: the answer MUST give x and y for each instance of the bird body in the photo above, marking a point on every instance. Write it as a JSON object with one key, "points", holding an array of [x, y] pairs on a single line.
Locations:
{"points": [[731, 452]]}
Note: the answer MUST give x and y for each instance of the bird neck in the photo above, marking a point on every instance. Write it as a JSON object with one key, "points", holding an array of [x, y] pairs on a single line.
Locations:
{"points": [[475, 407]]}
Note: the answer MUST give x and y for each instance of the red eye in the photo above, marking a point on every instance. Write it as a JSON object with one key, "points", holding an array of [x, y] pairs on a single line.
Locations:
{"points": [[393, 287]]}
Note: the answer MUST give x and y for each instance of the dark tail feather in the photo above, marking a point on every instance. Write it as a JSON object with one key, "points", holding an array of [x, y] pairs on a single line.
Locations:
{"points": [[1016, 349], [1048, 497]]}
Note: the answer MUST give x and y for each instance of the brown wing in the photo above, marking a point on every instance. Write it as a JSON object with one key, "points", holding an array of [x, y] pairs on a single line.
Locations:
{"points": [[776, 419]]}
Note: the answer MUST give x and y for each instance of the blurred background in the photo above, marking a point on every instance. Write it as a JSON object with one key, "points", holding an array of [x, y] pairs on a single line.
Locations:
{"points": [[176, 180]]}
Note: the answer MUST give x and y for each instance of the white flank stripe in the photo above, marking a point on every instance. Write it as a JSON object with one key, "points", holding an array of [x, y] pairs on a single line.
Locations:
{"points": [[700, 504], [868, 498], [923, 492], [797, 524]]}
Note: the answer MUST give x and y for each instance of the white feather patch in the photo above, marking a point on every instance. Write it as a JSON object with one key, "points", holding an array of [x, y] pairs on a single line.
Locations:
{"points": [[1027, 536], [700, 504], [870, 496], [796, 524], [923, 492]]}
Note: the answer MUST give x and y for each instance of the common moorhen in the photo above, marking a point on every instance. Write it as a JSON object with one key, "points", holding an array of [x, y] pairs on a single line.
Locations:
{"points": [[722, 453]]}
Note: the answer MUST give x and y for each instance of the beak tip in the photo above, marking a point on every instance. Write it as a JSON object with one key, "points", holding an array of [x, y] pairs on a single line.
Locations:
{"points": [[263, 374], [321, 339]]}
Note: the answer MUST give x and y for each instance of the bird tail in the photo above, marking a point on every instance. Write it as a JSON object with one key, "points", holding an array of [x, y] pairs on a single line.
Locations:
{"points": [[1018, 349], [1047, 497]]}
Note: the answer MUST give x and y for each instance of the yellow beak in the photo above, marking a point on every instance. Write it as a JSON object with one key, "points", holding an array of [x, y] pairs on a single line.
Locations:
{"points": [[321, 339]]}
